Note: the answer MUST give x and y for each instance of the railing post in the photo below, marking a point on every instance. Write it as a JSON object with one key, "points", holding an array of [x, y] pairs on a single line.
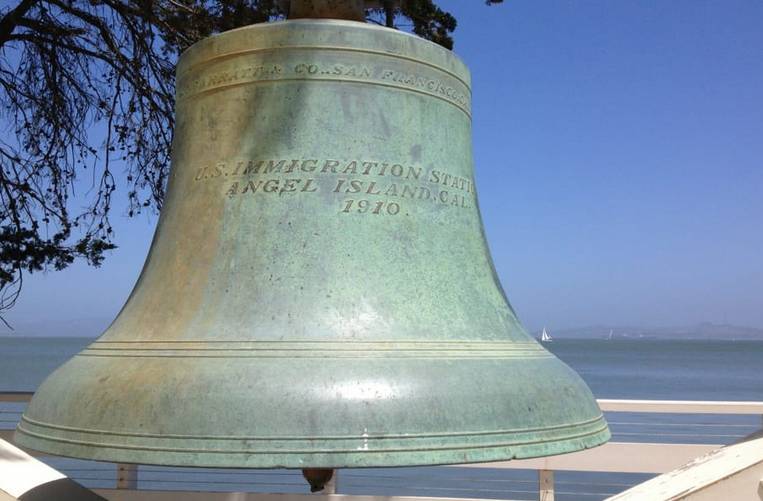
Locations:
{"points": [[127, 476], [546, 485]]}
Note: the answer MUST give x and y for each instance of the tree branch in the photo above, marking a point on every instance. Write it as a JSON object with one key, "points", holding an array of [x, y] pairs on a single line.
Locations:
{"points": [[10, 20]]}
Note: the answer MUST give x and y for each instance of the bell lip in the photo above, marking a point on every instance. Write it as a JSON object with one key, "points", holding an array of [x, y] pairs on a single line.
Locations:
{"points": [[189, 58], [594, 433]]}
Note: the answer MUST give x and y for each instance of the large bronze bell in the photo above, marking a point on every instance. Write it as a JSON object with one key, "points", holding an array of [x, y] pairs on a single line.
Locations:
{"points": [[319, 292]]}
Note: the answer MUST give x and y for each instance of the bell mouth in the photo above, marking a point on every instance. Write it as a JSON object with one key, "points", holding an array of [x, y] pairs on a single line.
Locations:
{"points": [[377, 410], [299, 452]]}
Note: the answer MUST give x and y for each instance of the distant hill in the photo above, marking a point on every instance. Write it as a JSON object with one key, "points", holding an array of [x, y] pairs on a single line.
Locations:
{"points": [[704, 330]]}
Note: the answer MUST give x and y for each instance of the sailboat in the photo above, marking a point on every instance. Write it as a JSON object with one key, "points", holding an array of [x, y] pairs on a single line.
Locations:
{"points": [[545, 337], [610, 335]]}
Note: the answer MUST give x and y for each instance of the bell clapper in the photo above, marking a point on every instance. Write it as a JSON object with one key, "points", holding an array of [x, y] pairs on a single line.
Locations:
{"points": [[321, 479]]}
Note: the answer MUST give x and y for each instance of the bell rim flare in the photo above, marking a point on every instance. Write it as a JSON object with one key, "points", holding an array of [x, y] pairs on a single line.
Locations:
{"points": [[456, 425], [580, 436]]}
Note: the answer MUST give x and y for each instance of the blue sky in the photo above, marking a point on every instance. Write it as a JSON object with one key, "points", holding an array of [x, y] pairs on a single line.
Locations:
{"points": [[619, 163]]}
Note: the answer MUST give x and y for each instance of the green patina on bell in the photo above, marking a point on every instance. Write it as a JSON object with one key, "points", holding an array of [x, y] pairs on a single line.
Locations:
{"points": [[319, 292]]}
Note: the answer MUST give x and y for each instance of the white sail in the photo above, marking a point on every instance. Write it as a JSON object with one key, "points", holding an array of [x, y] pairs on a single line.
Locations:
{"points": [[545, 337]]}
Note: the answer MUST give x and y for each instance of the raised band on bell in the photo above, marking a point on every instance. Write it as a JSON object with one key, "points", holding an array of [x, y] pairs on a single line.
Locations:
{"points": [[319, 292]]}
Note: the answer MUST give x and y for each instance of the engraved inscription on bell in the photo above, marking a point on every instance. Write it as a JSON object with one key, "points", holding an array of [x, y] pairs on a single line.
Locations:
{"points": [[251, 70], [391, 186]]}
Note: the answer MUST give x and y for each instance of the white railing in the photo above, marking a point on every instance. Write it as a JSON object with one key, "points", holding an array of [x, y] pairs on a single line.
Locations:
{"points": [[622, 457]]}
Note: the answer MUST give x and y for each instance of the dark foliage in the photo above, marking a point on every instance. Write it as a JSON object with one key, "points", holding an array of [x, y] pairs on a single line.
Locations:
{"points": [[71, 67]]}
